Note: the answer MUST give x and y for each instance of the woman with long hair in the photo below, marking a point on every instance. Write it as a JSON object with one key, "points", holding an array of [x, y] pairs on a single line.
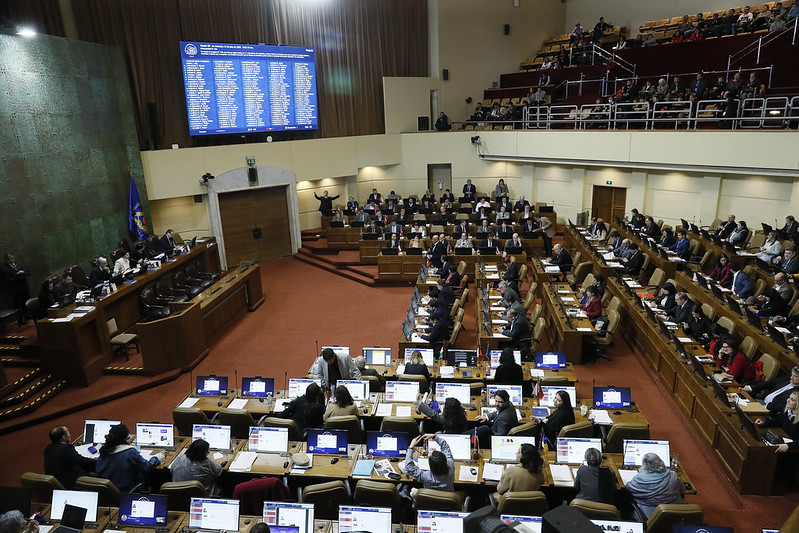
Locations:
{"points": [[563, 415], [527, 475], [452, 417], [722, 273], [308, 409], [196, 465], [342, 404], [788, 420], [122, 463]]}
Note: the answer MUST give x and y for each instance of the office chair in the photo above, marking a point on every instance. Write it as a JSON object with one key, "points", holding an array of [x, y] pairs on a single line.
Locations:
{"points": [[239, 420], [401, 423], [614, 442], [108, 492], [182, 283], [153, 309], [370, 493], [326, 497], [33, 307], [351, 423], [41, 485], [181, 492], [167, 294], [667, 515], [584, 429], [596, 510], [528, 429], [274, 422], [193, 275], [528, 503], [121, 341], [184, 419], [441, 500], [79, 276]]}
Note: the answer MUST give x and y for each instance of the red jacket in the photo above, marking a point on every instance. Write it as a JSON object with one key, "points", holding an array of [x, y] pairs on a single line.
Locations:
{"points": [[592, 307], [740, 367]]}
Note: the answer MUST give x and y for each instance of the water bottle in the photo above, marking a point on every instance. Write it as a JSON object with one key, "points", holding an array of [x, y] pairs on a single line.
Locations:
{"points": [[269, 399]]}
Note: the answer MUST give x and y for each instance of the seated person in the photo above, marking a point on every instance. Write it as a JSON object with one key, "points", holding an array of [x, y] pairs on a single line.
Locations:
{"points": [[166, 244], [521, 204], [380, 218], [443, 216], [484, 227], [352, 205], [447, 196], [441, 475], [779, 389], [561, 258], [667, 239], [372, 228], [518, 329], [682, 247], [682, 308], [622, 251], [511, 274], [307, 410], [62, 460], [453, 279], [122, 264], [722, 273], [655, 484], [741, 286], [771, 248], [634, 262], [393, 241], [100, 272], [699, 326], [601, 231], [416, 243], [121, 463], [498, 422], [509, 372], [734, 362], [514, 242], [489, 242], [739, 234], [592, 304], [651, 229], [375, 197], [594, 482], [526, 213], [426, 207], [482, 204], [195, 465], [480, 215], [525, 476], [360, 361], [503, 213], [769, 304], [463, 242], [666, 300], [45, 298], [504, 226], [65, 287], [393, 227], [788, 261], [562, 416], [452, 416], [788, 420], [342, 404], [530, 225], [331, 367], [403, 217]]}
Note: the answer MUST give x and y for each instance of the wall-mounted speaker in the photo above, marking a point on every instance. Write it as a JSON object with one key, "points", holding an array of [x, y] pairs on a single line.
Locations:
{"points": [[445, 74], [252, 174], [423, 123], [507, 29]]}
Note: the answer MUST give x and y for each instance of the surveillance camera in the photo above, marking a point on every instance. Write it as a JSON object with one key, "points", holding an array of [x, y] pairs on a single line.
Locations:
{"points": [[468, 99]]}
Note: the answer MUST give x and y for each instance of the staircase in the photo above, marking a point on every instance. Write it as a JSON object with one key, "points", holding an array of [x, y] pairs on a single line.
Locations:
{"points": [[344, 263]]}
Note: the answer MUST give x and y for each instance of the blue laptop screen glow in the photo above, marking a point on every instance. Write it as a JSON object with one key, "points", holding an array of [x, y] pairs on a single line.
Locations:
{"points": [[327, 441], [612, 397], [387, 443], [211, 385], [143, 509], [257, 387], [550, 359]]}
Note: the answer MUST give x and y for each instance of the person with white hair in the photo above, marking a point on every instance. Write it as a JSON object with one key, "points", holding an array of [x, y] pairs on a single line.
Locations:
{"points": [[655, 484], [100, 272]]}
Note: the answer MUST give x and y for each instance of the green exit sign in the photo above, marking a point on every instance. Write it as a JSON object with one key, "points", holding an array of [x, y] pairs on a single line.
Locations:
{"points": [[609, 182]]}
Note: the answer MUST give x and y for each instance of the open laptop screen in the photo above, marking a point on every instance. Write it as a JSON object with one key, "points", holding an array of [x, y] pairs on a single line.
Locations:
{"points": [[94, 431], [269, 439], [545, 359], [297, 387], [217, 437], [459, 445], [549, 392], [514, 391], [214, 514], [211, 385], [401, 391], [460, 391], [495, 354], [299, 515], [440, 521], [78, 498], [339, 350], [327, 441], [427, 355], [386, 443], [377, 356], [257, 387], [143, 509], [359, 390], [612, 397], [572, 449], [155, 435], [634, 451], [372, 519], [504, 448], [457, 357]]}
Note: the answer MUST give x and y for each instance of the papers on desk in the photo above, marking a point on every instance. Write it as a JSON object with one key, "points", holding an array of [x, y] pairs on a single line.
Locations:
{"points": [[552, 269], [670, 323], [492, 276], [83, 309], [705, 358], [83, 450], [746, 254], [782, 330], [627, 475], [608, 256], [467, 473], [492, 471], [585, 329], [65, 319], [567, 298], [446, 371], [238, 403], [384, 409], [685, 339], [561, 475], [416, 338], [614, 264], [281, 405], [218, 455], [363, 468], [400, 369], [536, 373], [384, 468], [422, 312], [498, 321], [500, 336], [146, 454], [243, 461], [45, 529], [189, 402], [632, 283], [489, 268], [600, 416], [496, 308], [403, 410], [564, 292], [676, 259], [494, 296]]}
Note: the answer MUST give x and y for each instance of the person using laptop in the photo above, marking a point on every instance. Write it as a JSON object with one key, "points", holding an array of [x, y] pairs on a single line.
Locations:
{"points": [[509, 372], [518, 330], [562, 416], [62, 460], [360, 361], [441, 475], [592, 305], [166, 244], [594, 482], [452, 417], [655, 484], [561, 258], [788, 420], [121, 463], [65, 287], [721, 274], [527, 475], [195, 465], [331, 367], [699, 326], [779, 390], [307, 410], [416, 364], [342, 404], [498, 422]]}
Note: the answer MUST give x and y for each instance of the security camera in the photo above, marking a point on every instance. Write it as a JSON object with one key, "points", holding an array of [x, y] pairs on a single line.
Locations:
{"points": [[476, 139]]}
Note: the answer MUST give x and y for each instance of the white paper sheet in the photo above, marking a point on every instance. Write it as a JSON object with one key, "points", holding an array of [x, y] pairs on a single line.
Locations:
{"points": [[384, 409], [243, 461], [403, 410], [600, 416], [238, 403], [627, 475], [189, 402], [561, 475], [492, 471], [468, 473]]}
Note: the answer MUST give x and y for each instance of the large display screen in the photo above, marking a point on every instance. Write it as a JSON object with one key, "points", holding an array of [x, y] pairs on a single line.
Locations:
{"points": [[246, 88]]}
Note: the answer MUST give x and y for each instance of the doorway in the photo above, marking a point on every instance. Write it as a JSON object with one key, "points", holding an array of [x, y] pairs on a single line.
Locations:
{"points": [[255, 224], [439, 178], [608, 203]]}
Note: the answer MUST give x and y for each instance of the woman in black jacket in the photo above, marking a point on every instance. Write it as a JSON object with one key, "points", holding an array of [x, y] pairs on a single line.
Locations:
{"points": [[509, 372], [452, 418], [699, 326], [665, 299], [416, 365], [561, 417], [308, 409]]}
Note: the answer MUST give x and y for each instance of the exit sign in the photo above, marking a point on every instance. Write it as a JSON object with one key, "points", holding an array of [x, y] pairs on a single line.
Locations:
{"points": [[609, 182]]}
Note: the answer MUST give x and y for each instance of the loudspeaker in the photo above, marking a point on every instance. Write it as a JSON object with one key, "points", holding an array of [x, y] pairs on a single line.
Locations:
{"points": [[423, 123], [198, 198], [445, 74], [252, 174], [507, 29], [565, 519]]}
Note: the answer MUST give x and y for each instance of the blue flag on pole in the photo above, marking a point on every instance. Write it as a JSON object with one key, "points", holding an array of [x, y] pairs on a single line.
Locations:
{"points": [[136, 220]]}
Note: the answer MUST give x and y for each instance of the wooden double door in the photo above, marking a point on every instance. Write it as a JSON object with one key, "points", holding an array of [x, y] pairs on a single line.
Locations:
{"points": [[255, 224], [608, 203]]}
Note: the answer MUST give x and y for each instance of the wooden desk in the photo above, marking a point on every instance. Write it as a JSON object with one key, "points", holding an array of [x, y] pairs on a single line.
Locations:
{"points": [[399, 267], [370, 250], [219, 303], [346, 238], [565, 332], [174, 521]]}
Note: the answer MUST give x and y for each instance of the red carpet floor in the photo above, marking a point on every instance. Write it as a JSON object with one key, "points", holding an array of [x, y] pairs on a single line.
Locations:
{"points": [[306, 307]]}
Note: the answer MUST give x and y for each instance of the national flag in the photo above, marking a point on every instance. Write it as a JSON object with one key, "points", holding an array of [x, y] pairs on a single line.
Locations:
{"points": [[399, 247], [136, 221]]}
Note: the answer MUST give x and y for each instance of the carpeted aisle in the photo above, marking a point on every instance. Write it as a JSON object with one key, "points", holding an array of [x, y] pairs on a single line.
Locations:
{"points": [[305, 306]]}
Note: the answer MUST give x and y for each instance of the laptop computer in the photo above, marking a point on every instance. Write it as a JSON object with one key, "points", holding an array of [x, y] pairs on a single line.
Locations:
{"points": [[72, 519], [84, 499], [143, 510], [214, 514]]}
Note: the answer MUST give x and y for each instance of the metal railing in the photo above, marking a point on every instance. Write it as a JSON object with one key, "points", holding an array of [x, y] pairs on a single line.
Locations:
{"points": [[688, 77], [756, 47]]}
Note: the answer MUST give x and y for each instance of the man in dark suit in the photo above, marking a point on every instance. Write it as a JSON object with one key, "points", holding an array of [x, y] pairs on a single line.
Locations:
{"points": [[15, 280], [561, 258], [392, 227], [726, 228], [100, 272], [360, 362], [447, 196], [519, 205], [445, 295], [469, 191], [511, 273], [501, 421], [651, 229], [463, 227], [741, 286], [682, 246], [518, 330], [779, 390], [489, 242], [514, 242], [437, 250], [65, 287], [62, 461], [791, 226], [166, 244], [439, 331], [530, 226], [634, 263], [375, 197], [452, 278], [326, 202], [789, 263], [682, 312]]}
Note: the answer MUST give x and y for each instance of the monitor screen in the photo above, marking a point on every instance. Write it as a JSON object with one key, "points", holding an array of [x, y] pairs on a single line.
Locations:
{"points": [[514, 391], [634, 451], [142, 509], [517, 356], [155, 435], [78, 498], [339, 350], [268, 439], [211, 385], [359, 390], [549, 392], [533, 523], [459, 445], [462, 357], [427, 355], [377, 356], [460, 391], [214, 513], [297, 387], [217, 437], [572, 449], [94, 431], [372, 519], [611, 397], [387, 443], [504, 448], [290, 514], [550, 359], [243, 88], [257, 387], [407, 329], [621, 527], [440, 521], [401, 391], [327, 441]]}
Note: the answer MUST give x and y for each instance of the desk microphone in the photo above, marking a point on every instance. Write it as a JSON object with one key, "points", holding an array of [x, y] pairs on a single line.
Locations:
{"points": [[191, 384], [286, 381], [235, 380]]}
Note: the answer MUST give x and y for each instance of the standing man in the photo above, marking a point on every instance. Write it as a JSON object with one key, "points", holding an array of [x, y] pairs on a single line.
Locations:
{"points": [[326, 202], [547, 232], [469, 191], [62, 461], [331, 368], [15, 278]]}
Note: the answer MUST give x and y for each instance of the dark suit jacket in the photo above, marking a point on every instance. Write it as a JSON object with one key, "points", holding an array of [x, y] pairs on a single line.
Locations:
{"points": [[725, 229], [66, 464], [741, 286], [439, 332], [503, 421], [652, 230], [520, 332], [417, 369], [778, 404], [563, 260], [512, 274], [165, 245], [790, 266], [485, 243], [683, 314], [469, 190], [98, 275], [634, 263]]}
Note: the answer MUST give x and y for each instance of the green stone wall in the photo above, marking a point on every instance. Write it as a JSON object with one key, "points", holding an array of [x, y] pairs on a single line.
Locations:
{"points": [[67, 147]]}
